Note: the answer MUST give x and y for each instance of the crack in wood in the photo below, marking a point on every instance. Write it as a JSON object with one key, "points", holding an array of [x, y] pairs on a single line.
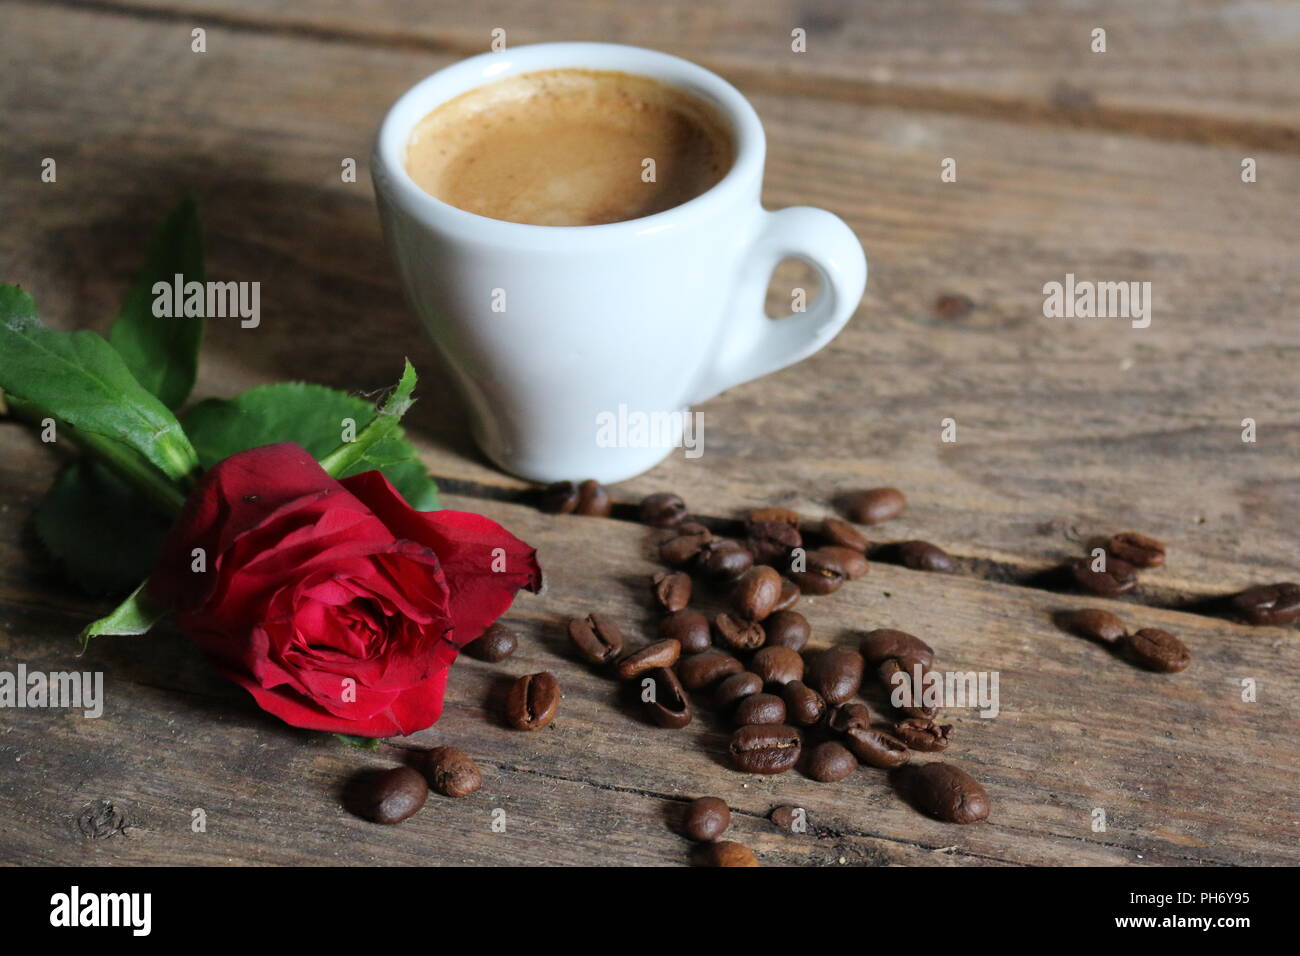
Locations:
{"points": [[1049, 579]]}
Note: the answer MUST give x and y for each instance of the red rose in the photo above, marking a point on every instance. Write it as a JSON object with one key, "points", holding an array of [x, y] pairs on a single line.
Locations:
{"points": [[334, 603]]}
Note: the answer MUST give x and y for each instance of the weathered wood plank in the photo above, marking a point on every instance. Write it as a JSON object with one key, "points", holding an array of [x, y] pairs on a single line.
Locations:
{"points": [[1185, 770], [1209, 69], [1065, 429]]}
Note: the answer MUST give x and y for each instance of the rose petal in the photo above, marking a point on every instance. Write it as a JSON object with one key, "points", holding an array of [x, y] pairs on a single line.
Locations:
{"points": [[469, 546], [234, 496]]}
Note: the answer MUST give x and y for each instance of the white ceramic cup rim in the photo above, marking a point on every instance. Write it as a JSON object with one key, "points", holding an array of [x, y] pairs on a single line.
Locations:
{"points": [[421, 99]]}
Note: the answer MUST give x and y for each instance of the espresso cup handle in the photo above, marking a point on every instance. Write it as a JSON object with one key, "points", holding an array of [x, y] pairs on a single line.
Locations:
{"points": [[754, 345]]}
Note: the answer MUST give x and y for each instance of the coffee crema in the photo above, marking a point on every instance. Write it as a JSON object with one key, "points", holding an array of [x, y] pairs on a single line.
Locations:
{"points": [[570, 148]]}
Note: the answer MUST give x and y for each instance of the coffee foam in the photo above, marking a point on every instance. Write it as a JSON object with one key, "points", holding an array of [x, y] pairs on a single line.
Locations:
{"points": [[566, 148]]}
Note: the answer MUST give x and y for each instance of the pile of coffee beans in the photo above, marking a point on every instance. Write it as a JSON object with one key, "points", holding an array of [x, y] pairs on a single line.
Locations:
{"points": [[795, 706], [392, 796], [791, 706]]}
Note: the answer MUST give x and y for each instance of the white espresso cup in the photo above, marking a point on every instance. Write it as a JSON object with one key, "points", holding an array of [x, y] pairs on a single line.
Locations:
{"points": [[556, 333]]}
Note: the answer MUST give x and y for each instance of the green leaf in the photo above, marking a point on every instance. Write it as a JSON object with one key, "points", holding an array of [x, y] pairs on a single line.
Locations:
{"points": [[163, 353], [100, 529], [361, 743], [156, 489], [133, 616], [78, 378], [366, 450], [312, 416]]}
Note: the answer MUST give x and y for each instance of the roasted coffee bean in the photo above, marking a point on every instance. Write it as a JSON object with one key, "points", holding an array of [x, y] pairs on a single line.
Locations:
{"points": [[593, 500], [842, 534], [760, 709], [1120, 577], [683, 544], [818, 579], [953, 305], [726, 853], [663, 510], [922, 734], [494, 645], [671, 589], [873, 505], [737, 633], [651, 657], [835, 673], [1157, 650], [877, 748], [704, 670], [803, 705], [1268, 604], [850, 716], [853, 563], [669, 706], [830, 761], [1094, 624], [756, 593], [394, 795], [533, 701], [790, 595], [723, 559], [560, 497], [787, 629], [452, 772], [1137, 549], [882, 644], [783, 818], [823, 573], [765, 748], [597, 638], [901, 673], [949, 793], [688, 628], [736, 688], [784, 516], [777, 665], [924, 556], [770, 542], [706, 819]]}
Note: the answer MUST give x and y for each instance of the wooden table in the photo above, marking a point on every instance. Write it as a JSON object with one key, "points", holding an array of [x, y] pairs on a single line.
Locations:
{"points": [[1123, 165]]}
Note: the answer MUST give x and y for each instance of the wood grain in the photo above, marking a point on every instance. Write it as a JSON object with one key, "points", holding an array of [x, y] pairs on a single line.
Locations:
{"points": [[1119, 168], [1185, 771], [1210, 70], [1066, 430]]}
